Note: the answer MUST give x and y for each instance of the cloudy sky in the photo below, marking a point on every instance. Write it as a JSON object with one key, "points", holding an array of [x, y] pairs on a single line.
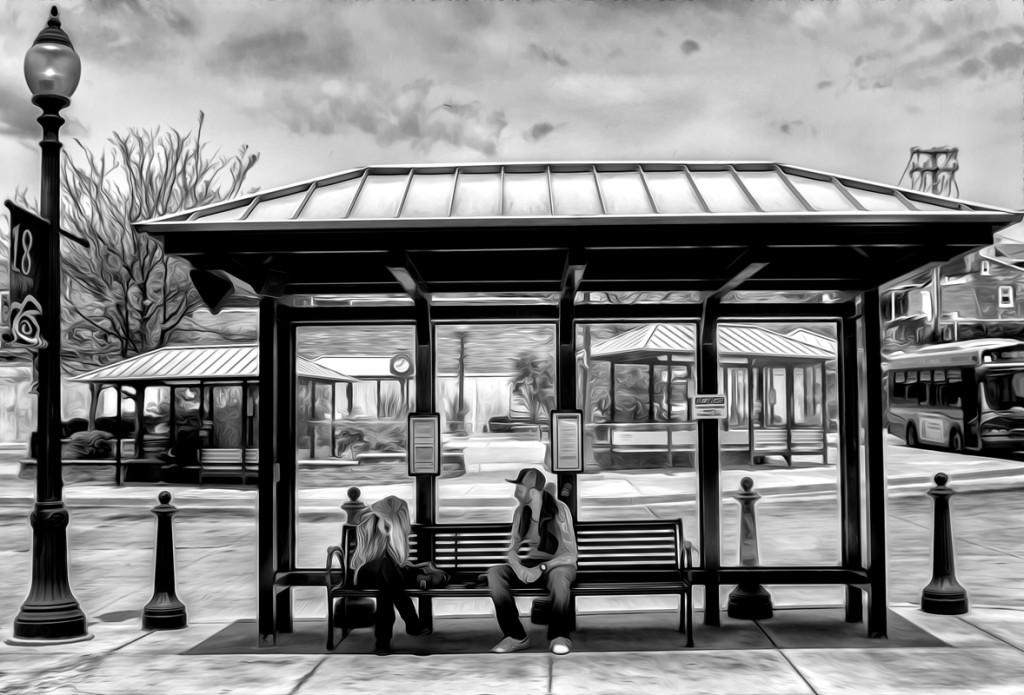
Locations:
{"points": [[319, 87]]}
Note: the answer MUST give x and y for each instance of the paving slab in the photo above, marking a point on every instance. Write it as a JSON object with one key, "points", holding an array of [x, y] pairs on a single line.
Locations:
{"points": [[979, 671], [692, 672], [951, 629], [1001, 623], [522, 674]]}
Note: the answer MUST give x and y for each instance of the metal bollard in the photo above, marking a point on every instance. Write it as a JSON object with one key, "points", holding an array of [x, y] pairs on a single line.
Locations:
{"points": [[164, 611], [749, 600], [944, 595], [354, 508]]}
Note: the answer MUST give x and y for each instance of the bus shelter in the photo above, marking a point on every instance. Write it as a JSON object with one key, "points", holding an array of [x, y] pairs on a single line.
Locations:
{"points": [[568, 245]]}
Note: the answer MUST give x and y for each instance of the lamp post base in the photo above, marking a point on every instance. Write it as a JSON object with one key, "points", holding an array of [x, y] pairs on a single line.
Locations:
{"points": [[168, 614], [51, 611], [750, 602]]}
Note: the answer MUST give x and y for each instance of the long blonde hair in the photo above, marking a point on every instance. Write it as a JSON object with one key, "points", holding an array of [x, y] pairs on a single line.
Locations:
{"points": [[395, 511], [373, 536]]}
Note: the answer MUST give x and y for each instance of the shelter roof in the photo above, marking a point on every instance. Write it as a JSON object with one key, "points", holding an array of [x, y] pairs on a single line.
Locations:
{"points": [[191, 363], [514, 229], [657, 340]]}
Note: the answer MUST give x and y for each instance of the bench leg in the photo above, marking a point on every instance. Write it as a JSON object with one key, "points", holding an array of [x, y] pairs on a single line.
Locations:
{"points": [[686, 615], [426, 611], [331, 627]]}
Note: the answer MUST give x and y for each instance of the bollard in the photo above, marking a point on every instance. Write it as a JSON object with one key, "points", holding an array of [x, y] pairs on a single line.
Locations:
{"points": [[749, 600], [944, 595], [164, 611], [354, 508]]}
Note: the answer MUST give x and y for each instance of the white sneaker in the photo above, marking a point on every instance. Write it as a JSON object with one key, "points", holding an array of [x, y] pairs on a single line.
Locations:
{"points": [[510, 644], [561, 645]]}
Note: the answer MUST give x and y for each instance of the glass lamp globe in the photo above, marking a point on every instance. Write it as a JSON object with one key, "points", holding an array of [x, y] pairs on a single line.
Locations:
{"points": [[52, 68]]}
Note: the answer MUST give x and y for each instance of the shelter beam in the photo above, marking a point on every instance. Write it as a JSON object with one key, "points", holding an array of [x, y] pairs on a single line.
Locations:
{"points": [[849, 464], [266, 505], [572, 276], [708, 464], [875, 464]]}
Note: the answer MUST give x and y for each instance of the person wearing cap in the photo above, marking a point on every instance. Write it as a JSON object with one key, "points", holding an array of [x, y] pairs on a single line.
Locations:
{"points": [[544, 525]]}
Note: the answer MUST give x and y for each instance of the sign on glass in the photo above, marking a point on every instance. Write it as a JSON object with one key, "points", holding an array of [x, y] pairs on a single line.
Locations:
{"points": [[567, 441], [424, 445]]}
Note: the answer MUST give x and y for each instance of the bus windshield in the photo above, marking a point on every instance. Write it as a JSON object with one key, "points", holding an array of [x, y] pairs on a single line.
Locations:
{"points": [[1004, 391]]}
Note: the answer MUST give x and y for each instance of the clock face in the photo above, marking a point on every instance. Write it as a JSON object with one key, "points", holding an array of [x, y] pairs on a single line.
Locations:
{"points": [[401, 364]]}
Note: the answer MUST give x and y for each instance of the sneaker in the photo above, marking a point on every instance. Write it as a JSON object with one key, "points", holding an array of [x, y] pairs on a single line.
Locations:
{"points": [[510, 644], [561, 645], [421, 631]]}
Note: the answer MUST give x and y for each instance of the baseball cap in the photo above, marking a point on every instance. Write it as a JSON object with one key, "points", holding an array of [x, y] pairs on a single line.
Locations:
{"points": [[529, 477]]}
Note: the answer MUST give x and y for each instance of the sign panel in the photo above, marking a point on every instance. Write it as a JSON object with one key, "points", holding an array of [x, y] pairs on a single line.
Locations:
{"points": [[30, 235], [709, 407], [424, 444], [567, 441]]}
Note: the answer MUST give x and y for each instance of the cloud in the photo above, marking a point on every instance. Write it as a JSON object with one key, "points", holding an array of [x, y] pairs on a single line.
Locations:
{"points": [[18, 116], [825, 84], [130, 31], [971, 67], [538, 131], [537, 52], [390, 115], [797, 128], [283, 52], [1007, 56], [689, 46]]}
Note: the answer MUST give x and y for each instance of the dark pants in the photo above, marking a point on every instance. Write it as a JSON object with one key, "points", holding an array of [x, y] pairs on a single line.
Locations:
{"points": [[385, 576], [502, 579]]}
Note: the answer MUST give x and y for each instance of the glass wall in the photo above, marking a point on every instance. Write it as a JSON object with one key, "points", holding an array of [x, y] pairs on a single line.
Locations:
{"points": [[781, 384], [634, 382], [354, 390], [495, 389]]}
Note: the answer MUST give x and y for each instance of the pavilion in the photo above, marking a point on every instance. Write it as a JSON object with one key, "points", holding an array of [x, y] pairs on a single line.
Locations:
{"points": [[571, 243]]}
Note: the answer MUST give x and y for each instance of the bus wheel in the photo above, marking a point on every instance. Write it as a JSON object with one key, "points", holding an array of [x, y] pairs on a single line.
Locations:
{"points": [[956, 441], [912, 436]]}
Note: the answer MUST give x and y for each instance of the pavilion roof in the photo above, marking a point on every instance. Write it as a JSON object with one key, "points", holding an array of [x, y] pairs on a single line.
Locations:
{"points": [[192, 363], [651, 341]]}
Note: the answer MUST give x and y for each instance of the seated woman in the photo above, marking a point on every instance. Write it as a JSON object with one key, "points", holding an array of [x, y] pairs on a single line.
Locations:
{"points": [[395, 511], [377, 567]]}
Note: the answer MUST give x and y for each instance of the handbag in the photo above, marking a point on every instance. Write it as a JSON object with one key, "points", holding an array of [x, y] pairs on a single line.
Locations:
{"points": [[427, 575]]}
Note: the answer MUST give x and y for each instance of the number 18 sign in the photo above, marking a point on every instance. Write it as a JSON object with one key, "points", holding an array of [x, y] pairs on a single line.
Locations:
{"points": [[30, 235]]}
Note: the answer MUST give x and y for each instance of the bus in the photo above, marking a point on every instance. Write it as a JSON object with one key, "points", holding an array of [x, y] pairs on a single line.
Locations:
{"points": [[964, 396]]}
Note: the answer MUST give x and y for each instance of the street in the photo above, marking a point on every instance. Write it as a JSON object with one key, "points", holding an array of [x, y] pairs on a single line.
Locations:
{"points": [[111, 544]]}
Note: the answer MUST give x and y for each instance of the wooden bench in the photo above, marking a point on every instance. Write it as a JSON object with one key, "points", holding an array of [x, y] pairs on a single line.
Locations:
{"points": [[228, 463], [615, 558]]}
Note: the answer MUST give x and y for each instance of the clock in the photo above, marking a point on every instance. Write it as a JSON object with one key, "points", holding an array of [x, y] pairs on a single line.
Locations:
{"points": [[401, 365]]}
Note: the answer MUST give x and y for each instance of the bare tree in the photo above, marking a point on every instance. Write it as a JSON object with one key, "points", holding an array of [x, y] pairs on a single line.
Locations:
{"points": [[123, 295]]}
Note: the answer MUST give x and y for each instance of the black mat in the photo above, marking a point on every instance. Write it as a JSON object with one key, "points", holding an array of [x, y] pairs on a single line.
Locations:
{"points": [[792, 629]]}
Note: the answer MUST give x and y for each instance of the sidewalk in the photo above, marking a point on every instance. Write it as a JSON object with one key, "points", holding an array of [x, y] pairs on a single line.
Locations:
{"points": [[794, 653]]}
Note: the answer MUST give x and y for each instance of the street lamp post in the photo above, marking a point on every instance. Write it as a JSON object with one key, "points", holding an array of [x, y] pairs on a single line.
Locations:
{"points": [[50, 612]]}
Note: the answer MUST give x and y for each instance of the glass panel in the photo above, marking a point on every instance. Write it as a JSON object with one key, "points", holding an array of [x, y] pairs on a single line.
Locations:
{"points": [[770, 192], [782, 296], [624, 193], [477, 195], [350, 433], [795, 432], [721, 192], [639, 455], [330, 202], [495, 390], [381, 195], [874, 201], [227, 417], [575, 193], [226, 215], [930, 207], [543, 298], [526, 194], [672, 193], [429, 195], [822, 195]]}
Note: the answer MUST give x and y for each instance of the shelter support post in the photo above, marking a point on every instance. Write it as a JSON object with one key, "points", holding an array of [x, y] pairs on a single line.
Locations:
{"points": [[426, 485], [140, 420], [708, 480], [875, 465], [268, 467], [566, 487], [287, 458], [849, 463]]}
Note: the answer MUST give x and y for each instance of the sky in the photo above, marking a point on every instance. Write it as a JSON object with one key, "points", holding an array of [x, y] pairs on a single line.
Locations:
{"points": [[317, 87]]}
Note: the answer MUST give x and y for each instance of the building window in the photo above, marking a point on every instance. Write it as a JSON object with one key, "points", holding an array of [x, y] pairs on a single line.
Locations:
{"points": [[986, 268], [1005, 296]]}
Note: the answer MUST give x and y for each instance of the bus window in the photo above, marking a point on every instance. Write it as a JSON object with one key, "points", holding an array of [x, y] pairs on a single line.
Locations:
{"points": [[1004, 391], [949, 395]]}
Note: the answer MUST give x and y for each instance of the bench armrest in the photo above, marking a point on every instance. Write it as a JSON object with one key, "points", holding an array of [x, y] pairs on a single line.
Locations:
{"points": [[332, 552], [686, 556]]}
